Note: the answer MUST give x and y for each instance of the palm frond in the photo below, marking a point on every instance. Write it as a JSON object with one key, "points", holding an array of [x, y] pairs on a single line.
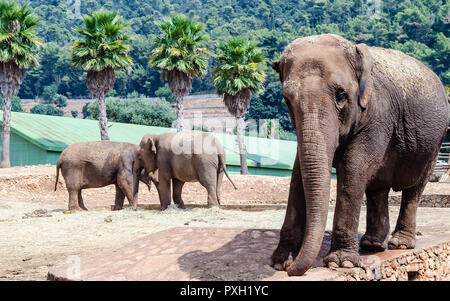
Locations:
{"points": [[102, 45], [18, 40], [238, 68], [177, 48]]}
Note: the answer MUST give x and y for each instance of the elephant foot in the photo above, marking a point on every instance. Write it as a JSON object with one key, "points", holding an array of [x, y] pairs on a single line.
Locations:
{"points": [[213, 205], [117, 208], [343, 259], [75, 209], [181, 206], [281, 259], [371, 243], [402, 240], [163, 207]]}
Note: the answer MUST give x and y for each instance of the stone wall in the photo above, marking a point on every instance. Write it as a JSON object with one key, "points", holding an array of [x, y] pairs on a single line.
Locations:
{"points": [[427, 264]]}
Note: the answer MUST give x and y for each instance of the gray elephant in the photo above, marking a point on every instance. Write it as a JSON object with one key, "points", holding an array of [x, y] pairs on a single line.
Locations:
{"points": [[379, 117], [98, 164], [188, 156]]}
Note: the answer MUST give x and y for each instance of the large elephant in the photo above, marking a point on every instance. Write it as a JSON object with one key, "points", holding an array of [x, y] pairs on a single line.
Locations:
{"points": [[188, 156], [98, 164], [379, 117]]}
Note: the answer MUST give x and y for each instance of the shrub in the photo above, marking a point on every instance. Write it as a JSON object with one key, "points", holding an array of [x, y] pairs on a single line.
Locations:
{"points": [[47, 110], [136, 111]]}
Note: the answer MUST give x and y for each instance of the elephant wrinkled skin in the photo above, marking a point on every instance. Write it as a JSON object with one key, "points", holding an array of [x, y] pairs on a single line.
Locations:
{"points": [[379, 117], [98, 164], [177, 158]]}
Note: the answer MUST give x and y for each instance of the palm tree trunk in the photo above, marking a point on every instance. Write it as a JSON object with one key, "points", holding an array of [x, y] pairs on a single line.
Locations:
{"points": [[102, 119], [240, 125], [6, 131], [180, 113]]}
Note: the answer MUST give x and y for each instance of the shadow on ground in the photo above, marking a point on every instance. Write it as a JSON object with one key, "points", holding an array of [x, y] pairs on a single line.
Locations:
{"points": [[245, 257]]}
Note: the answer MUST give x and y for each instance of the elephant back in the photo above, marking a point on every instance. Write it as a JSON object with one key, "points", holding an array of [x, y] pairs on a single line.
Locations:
{"points": [[407, 73]]}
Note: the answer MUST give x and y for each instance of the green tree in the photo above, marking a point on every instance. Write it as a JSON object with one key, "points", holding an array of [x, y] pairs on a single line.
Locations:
{"points": [[179, 57], [238, 76], [165, 93], [100, 52], [49, 93], [18, 50], [60, 101], [74, 113]]}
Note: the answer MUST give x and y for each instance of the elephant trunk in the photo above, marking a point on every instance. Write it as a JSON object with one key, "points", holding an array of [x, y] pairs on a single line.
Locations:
{"points": [[137, 169], [315, 157]]}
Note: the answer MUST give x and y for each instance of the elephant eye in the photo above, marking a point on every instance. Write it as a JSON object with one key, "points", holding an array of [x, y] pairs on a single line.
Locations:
{"points": [[341, 96]]}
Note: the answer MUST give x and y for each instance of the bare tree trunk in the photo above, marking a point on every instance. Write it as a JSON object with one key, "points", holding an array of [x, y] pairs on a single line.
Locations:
{"points": [[102, 119], [6, 132], [180, 113], [240, 126]]}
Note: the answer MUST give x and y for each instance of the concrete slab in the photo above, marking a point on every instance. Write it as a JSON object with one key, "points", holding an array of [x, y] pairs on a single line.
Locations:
{"points": [[242, 254]]}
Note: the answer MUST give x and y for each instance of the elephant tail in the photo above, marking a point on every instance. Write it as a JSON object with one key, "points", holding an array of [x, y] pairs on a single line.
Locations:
{"points": [[58, 167], [224, 167]]}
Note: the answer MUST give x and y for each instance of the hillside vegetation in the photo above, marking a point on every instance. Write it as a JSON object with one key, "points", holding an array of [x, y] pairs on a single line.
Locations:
{"points": [[418, 27]]}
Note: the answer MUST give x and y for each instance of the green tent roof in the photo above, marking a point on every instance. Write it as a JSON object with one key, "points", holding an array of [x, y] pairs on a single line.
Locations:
{"points": [[56, 133]]}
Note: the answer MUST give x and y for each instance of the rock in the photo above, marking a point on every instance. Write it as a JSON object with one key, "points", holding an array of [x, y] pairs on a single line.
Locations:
{"points": [[108, 219], [37, 213]]}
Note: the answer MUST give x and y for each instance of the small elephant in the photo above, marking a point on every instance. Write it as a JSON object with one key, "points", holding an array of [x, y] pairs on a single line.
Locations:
{"points": [[98, 164], [379, 117], [188, 156]]}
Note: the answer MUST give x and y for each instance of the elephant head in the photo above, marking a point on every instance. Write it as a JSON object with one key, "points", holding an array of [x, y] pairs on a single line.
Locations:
{"points": [[326, 84], [145, 164], [146, 153]]}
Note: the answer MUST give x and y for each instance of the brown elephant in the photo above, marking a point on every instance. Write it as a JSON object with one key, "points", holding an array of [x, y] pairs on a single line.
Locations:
{"points": [[379, 117], [188, 156], [98, 164]]}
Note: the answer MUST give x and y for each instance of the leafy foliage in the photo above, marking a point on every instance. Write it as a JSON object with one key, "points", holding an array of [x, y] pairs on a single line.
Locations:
{"points": [[18, 40], [137, 111], [177, 48], [239, 67], [102, 44], [47, 110]]}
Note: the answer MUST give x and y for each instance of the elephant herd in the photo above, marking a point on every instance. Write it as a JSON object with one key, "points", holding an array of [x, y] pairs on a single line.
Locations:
{"points": [[169, 159], [376, 115]]}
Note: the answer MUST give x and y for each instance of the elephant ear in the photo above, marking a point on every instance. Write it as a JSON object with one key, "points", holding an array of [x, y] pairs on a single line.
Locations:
{"points": [[151, 145], [365, 66], [276, 66]]}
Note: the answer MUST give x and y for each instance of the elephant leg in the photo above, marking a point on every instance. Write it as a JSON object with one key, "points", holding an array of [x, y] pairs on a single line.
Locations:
{"points": [[177, 190], [164, 191], [352, 179], [125, 183], [292, 231], [80, 201], [377, 221], [404, 235], [219, 186], [120, 197], [73, 200], [208, 179]]}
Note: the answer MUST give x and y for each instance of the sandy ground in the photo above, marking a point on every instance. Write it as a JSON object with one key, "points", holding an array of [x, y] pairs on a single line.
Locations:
{"points": [[37, 234]]}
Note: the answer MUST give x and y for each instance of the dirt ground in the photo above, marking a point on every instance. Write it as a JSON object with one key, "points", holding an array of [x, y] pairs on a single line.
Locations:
{"points": [[37, 233]]}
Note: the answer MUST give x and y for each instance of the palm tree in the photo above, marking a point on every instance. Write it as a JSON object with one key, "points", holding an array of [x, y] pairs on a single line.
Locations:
{"points": [[100, 52], [237, 76], [18, 50], [179, 58]]}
